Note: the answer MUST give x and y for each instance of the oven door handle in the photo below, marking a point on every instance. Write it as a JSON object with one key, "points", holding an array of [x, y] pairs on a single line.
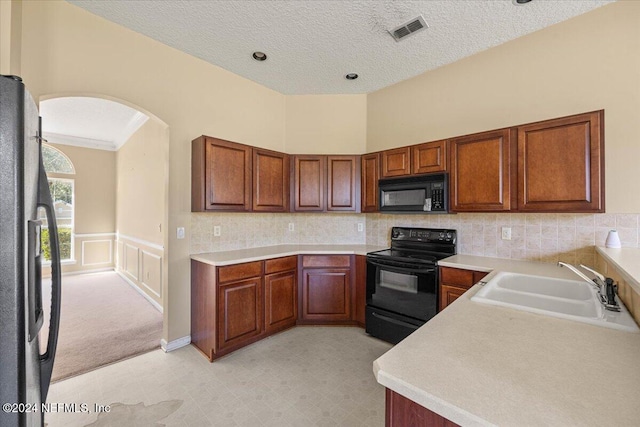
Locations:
{"points": [[394, 321], [400, 269]]}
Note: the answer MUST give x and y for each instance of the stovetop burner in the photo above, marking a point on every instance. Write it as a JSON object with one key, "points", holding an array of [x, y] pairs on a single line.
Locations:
{"points": [[419, 245]]}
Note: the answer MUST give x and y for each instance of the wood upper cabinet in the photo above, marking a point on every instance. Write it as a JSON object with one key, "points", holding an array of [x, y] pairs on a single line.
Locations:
{"points": [[369, 182], [454, 282], [482, 170], [561, 164], [429, 157], [271, 174], [221, 175], [396, 162], [309, 173], [343, 183]]}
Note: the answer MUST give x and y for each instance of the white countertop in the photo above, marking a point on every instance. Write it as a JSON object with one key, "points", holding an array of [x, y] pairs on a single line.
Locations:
{"points": [[627, 260], [267, 252], [476, 364]]}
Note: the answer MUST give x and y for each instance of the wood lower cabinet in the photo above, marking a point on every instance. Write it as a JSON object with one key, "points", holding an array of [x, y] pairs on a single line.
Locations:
{"points": [[454, 282], [221, 175], [482, 171], [271, 175], [403, 412], [326, 294], [561, 164], [240, 312], [396, 162], [236, 305], [429, 157], [369, 182], [281, 294]]}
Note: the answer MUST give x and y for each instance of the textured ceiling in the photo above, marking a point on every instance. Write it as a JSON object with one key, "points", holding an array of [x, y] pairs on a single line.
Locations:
{"points": [[89, 122], [312, 44]]}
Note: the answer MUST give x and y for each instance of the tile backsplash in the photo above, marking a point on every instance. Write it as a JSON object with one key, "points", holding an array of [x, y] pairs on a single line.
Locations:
{"points": [[247, 230], [544, 237], [536, 237]]}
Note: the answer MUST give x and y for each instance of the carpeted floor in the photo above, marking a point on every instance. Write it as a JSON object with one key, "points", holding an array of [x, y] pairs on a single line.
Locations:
{"points": [[103, 320]]}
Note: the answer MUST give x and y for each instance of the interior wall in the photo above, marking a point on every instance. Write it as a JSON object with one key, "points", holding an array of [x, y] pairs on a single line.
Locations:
{"points": [[85, 54], [587, 63], [326, 124], [141, 206], [10, 36], [94, 192]]}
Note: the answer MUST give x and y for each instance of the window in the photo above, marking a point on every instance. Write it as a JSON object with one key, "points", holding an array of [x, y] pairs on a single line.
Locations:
{"points": [[58, 168]]}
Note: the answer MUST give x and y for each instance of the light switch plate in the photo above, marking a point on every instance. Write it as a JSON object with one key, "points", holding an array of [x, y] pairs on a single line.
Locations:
{"points": [[180, 233]]}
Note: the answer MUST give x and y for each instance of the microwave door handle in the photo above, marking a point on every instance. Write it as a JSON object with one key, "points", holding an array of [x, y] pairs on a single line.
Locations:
{"points": [[399, 269]]}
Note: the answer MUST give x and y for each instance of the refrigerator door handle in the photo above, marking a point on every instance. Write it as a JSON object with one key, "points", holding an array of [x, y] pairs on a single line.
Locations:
{"points": [[46, 360]]}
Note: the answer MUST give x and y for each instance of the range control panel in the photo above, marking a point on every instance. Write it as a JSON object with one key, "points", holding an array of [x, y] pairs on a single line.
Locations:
{"points": [[423, 234]]}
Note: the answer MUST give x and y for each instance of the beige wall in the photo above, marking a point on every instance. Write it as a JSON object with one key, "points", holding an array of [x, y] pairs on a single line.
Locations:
{"points": [[10, 36], [142, 180], [326, 124], [94, 185], [141, 208], [83, 54], [590, 62], [94, 188]]}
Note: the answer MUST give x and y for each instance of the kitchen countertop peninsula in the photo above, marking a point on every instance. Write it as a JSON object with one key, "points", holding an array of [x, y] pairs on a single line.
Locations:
{"points": [[627, 260], [477, 364], [257, 254]]}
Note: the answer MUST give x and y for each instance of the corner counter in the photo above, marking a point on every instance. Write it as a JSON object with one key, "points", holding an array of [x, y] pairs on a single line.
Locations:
{"points": [[486, 365]]}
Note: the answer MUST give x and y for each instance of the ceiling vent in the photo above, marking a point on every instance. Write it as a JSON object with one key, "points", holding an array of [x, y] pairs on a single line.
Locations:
{"points": [[408, 28]]}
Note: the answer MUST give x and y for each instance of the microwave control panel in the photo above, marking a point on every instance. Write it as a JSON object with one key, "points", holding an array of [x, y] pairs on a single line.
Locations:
{"points": [[435, 193]]}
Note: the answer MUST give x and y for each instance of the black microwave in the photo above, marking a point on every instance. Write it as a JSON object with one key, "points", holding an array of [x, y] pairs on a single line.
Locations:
{"points": [[417, 194]]}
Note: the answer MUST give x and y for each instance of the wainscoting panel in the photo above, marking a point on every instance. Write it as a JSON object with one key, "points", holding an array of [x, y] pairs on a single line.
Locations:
{"points": [[97, 252], [151, 276], [143, 265], [131, 261]]}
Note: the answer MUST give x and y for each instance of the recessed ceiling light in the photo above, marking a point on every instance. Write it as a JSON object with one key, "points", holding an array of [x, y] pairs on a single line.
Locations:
{"points": [[259, 56], [351, 76], [520, 2]]}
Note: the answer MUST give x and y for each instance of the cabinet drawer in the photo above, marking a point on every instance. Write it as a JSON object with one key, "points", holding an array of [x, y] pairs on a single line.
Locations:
{"points": [[280, 264], [457, 277], [326, 261], [230, 273]]}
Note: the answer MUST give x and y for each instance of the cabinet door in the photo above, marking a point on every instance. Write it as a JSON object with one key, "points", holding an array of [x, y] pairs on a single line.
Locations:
{"points": [[482, 170], [270, 181], [221, 175], [429, 157], [280, 301], [239, 312], [561, 164], [448, 294], [369, 182], [326, 294], [396, 162], [308, 183], [343, 183]]}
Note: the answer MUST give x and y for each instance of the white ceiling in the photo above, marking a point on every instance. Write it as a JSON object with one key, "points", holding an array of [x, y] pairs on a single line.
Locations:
{"points": [[312, 44], [89, 122]]}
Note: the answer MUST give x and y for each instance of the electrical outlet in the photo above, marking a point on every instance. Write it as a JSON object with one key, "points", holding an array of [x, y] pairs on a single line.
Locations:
{"points": [[506, 233], [180, 233], [360, 226], [216, 230], [291, 226]]}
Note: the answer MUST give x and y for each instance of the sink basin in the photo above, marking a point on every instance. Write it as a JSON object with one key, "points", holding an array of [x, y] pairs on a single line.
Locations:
{"points": [[566, 299]]}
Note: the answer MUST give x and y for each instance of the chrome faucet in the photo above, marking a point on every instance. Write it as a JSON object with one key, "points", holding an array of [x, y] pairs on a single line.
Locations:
{"points": [[606, 288]]}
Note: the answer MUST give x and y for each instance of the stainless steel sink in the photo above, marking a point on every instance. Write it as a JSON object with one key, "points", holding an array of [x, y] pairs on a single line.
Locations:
{"points": [[566, 299]]}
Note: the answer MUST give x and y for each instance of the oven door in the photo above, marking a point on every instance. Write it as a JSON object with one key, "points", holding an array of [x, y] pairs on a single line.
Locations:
{"points": [[404, 288]]}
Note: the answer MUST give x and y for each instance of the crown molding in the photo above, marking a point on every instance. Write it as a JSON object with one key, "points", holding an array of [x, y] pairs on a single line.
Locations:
{"points": [[76, 141], [134, 124]]}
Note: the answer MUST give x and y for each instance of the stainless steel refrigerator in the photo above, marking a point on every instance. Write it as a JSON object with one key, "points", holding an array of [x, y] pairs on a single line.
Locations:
{"points": [[25, 370]]}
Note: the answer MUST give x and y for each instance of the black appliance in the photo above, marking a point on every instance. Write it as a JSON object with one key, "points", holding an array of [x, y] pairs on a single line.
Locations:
{"points": [[25, 373], [419, 194], [402, 282]]}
